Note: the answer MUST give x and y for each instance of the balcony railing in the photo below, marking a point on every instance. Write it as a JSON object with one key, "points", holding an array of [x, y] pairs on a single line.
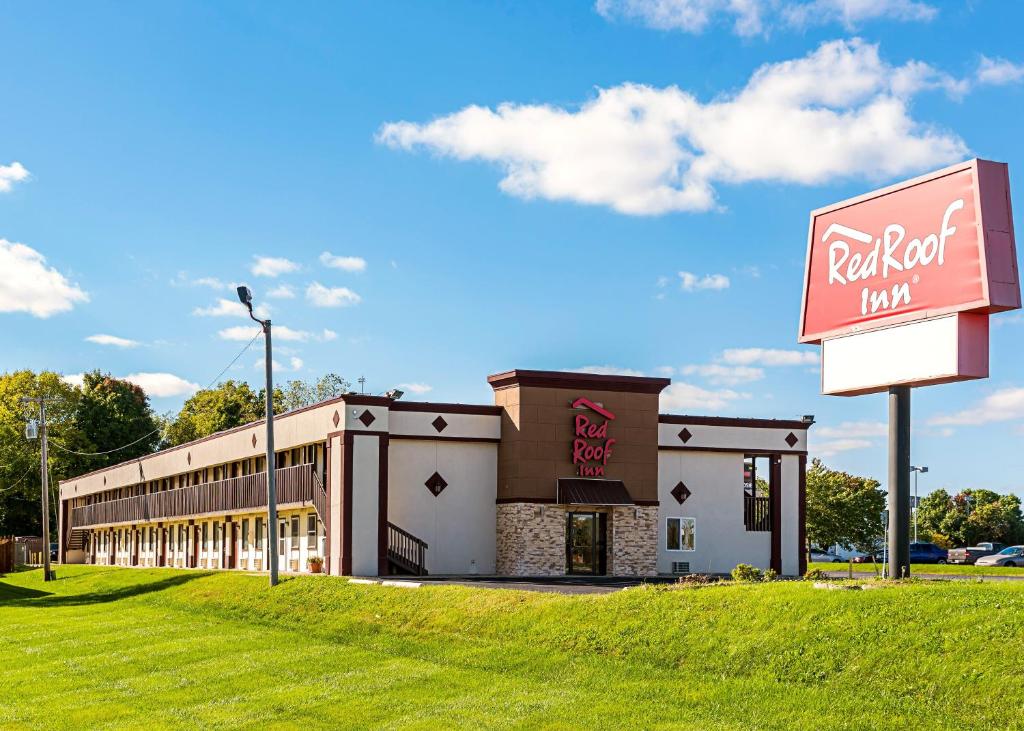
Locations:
{"points": [[294, 485], [757, 513]]}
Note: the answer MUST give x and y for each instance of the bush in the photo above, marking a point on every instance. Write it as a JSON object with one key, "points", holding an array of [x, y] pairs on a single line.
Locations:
{"points": [[695, 580], [815, 575], [746, 574]]}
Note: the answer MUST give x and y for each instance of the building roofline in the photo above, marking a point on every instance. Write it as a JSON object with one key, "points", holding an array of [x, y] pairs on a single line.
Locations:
{"points": [[571, 379], [734, 421]]}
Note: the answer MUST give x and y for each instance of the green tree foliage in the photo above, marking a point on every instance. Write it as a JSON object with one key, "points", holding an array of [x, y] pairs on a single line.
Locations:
{"points": [[211, 410], [298, 393], [971, 516], [102, 414], [842, 508]]}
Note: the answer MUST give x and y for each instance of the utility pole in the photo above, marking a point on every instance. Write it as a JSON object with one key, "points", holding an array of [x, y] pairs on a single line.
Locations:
{"points": [[917, 499], [45, 476], [245, 296]]}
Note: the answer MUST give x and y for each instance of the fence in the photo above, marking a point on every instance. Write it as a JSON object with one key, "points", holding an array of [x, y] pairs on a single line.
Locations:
{"points": [[6, 554]]}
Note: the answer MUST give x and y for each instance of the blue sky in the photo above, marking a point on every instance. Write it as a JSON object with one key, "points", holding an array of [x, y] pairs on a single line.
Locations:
{"points": [[538, 185]]}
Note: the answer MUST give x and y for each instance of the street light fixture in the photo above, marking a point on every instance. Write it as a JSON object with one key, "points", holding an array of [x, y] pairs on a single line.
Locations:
{"points": [[245, 297], [917, 500]]}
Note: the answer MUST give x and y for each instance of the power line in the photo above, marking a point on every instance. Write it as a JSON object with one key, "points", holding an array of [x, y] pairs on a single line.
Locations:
{"points": [[146, 436]]}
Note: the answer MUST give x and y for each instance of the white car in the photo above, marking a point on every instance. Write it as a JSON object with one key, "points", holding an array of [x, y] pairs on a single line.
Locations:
{"points": [[824, 557], [1010, 556]]}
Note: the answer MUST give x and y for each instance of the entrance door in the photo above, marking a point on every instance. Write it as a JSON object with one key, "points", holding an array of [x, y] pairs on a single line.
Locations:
{"points": [[585, 543]]}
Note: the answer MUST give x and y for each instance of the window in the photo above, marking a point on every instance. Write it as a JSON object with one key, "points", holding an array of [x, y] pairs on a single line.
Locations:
{"points": [[311, 532], [245, 534], [680, 534], [206, 537], [759, 475], [295, 533], [260, 530], [280, 539], [216, 535]]}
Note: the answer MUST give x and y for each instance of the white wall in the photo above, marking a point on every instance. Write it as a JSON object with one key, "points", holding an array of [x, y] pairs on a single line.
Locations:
{"points": [[365, 495], [459, 524], [715, 480]]}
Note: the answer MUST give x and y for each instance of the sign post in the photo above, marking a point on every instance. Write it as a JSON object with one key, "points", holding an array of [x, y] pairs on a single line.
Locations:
{"points": [[898, 289]]}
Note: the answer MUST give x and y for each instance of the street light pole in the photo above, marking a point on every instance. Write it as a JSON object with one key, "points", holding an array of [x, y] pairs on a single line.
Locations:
{"points": [[917, 499], [245, 296], [45, 481]]}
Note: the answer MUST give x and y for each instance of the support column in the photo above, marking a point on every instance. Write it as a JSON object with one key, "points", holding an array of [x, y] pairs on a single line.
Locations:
{"points": [[899, 482], [775, 511]]}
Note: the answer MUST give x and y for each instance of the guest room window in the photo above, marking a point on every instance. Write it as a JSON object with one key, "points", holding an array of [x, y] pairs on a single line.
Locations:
{"points": [[681, 534]]}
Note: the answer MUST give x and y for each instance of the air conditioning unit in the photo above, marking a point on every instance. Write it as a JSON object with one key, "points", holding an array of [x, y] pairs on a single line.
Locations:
{"points": [[680, 567]]}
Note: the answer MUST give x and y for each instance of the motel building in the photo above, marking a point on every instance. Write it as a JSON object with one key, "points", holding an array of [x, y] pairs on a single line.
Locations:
{"points": [[566, 473]]}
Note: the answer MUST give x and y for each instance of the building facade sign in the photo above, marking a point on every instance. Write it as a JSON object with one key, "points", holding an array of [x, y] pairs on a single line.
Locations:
{"points": [[938, 244], [591, 445]]}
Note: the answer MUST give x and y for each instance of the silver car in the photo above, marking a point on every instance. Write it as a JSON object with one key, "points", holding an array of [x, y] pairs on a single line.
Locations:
{"points": [[1010, 556]]}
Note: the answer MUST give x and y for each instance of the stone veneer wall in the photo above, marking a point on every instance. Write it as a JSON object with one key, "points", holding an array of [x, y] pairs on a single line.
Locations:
{"points": [[633, 541], [530, 540]]}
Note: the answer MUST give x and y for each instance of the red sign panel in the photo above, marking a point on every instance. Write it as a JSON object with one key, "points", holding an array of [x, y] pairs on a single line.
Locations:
{"points": [[933, 245], [591, 446]]}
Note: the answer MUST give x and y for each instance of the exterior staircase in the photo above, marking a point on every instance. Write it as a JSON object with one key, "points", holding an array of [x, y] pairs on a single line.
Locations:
{"points": [[407, 554]]}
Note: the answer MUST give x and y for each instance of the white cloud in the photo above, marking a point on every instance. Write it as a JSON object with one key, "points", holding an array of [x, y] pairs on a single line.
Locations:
{"points": [[320, 296], [11, 174], [606, 370], [296, 363], [690, 282], [759, 17], [769, 357], [28, 285], [852, 429], [999, 71], [832, 447], [346, 263], [282, 292], [229, 308], [272, 266], [839, 113], [723, 375], [182, 279], [666, 371], [1003, 405], [680, 396], [162, 385], [243, 333], [112, 340], [416, 388], [74, 379]]}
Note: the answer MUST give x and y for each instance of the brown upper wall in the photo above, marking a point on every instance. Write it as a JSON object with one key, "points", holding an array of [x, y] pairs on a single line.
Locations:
{"points": [[538, 430]]}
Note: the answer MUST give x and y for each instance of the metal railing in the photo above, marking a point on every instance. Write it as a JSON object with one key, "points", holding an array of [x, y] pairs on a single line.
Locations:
{"points": [[757, 513], [294, 485], [407, 551]]}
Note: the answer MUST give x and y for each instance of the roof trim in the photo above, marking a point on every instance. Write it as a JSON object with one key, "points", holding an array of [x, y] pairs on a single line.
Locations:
{"points": [[582, 381], [734, 421]]}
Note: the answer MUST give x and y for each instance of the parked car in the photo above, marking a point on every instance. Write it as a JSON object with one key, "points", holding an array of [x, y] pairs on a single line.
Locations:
{"points": [[1011, 556], [927, 553], [824, 557], [971, 554]]}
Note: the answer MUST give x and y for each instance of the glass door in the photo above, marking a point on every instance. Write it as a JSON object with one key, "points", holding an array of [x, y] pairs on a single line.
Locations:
{"points": [[585, 542]]}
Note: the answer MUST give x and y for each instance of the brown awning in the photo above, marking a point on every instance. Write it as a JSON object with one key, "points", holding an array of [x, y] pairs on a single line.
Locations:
{"points": [[587, 491]]}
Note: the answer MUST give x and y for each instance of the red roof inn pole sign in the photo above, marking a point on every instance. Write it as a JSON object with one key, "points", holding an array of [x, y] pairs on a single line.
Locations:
{"points": [[591, 447], [898, 289]]}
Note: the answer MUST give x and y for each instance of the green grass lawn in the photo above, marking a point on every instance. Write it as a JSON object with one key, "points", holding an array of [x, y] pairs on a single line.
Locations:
{"points": [[111, 648], [926, 569]]}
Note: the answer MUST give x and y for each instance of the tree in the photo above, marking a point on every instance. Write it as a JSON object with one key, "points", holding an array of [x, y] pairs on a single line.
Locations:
{"points": [[842, 508], [298, 393], [211, 410], [971, 516]]}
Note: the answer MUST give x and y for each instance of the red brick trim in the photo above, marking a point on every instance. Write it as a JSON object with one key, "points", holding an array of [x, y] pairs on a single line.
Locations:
{"points": [[346, 503], [439, 438], [802, 512], [382, 506], [775, 501], [733, 421]]}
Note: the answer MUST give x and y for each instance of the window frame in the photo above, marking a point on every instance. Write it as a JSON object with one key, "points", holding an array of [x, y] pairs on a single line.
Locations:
{"points": [[311, 531], [680, 533]]}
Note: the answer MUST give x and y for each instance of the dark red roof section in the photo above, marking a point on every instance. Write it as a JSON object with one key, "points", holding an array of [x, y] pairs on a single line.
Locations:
{"points": [[586, 491], [569, 379]]}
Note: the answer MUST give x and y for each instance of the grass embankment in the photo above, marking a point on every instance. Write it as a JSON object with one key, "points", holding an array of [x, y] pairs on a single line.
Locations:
{"points": [[929, 569], [105, 647]]}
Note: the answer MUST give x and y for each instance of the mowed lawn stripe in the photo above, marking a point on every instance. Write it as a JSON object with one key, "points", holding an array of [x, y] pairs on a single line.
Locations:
{"points": [[123, 647]]}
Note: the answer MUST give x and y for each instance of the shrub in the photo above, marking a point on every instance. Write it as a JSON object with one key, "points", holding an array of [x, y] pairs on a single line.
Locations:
{"points": [[695, 580], [745, 573], [815, 575]]}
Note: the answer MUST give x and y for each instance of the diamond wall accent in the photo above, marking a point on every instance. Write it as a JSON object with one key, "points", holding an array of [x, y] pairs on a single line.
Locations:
{"points": [[188, 457], [685, 435], [680, 492], [792, 439], [253, 441], [436, 484], [367, 418], [439, 423], [336, 418]]}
